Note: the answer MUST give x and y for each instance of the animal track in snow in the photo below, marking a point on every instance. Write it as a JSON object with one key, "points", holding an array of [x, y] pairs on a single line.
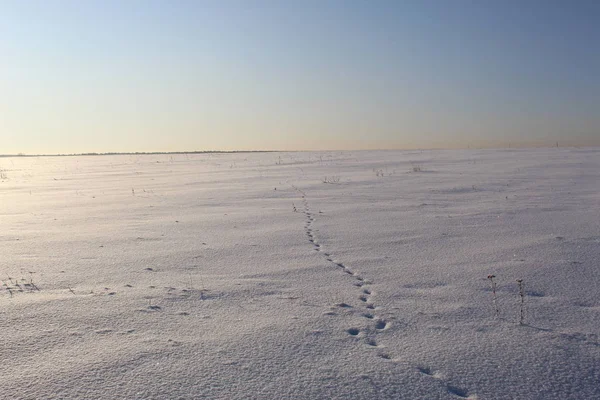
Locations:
{"points": [[377, 324], [380, 324], [385, 356], [459, 392], [454, 390], [353, 331]]}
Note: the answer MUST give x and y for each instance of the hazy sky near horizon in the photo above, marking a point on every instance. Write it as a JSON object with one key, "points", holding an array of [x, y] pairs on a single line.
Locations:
{"points": [[100, 76]]}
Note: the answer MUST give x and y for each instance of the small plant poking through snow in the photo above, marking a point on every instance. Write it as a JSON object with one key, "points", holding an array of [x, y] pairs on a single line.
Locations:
{"points": [[522, 302], [494, 297], [521, 298], [331, 179], [416, 167], [20, 285]]}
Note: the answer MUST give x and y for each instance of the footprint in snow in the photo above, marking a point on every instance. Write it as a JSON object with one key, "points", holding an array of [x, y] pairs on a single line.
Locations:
{"points": [[459, 392], [453, 390], [353, 331], [430, 372], [381, 324], [343, 305]]}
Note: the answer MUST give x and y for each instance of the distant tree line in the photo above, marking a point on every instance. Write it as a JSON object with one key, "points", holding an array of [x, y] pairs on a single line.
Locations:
{"points": [[137, 153]]}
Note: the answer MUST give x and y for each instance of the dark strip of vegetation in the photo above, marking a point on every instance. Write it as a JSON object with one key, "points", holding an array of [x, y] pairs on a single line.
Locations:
{"points": [[139, 153]]}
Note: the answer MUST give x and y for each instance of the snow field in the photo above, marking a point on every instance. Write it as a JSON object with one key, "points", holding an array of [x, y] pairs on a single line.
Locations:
{"points": [[349, 275]]}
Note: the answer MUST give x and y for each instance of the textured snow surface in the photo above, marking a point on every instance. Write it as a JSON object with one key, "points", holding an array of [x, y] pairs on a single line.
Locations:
{"points": [[246, 276]]}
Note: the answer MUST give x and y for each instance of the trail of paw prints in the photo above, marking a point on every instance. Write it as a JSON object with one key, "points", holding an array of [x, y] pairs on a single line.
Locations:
{"points": [[456, 391], [375, 323]]}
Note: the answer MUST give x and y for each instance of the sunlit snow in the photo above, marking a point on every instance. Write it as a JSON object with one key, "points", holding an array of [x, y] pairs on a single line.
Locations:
{"points": [[329, 275]]}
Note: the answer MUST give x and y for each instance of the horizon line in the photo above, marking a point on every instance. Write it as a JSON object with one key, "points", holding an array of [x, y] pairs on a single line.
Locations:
{"points": [[122, 153]]}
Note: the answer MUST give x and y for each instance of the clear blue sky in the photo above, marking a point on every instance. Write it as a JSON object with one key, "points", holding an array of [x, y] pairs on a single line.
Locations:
{"points": [[80, 76]]}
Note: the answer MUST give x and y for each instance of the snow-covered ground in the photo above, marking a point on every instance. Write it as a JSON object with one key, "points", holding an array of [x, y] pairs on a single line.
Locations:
{"points": [[246, 276]]}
